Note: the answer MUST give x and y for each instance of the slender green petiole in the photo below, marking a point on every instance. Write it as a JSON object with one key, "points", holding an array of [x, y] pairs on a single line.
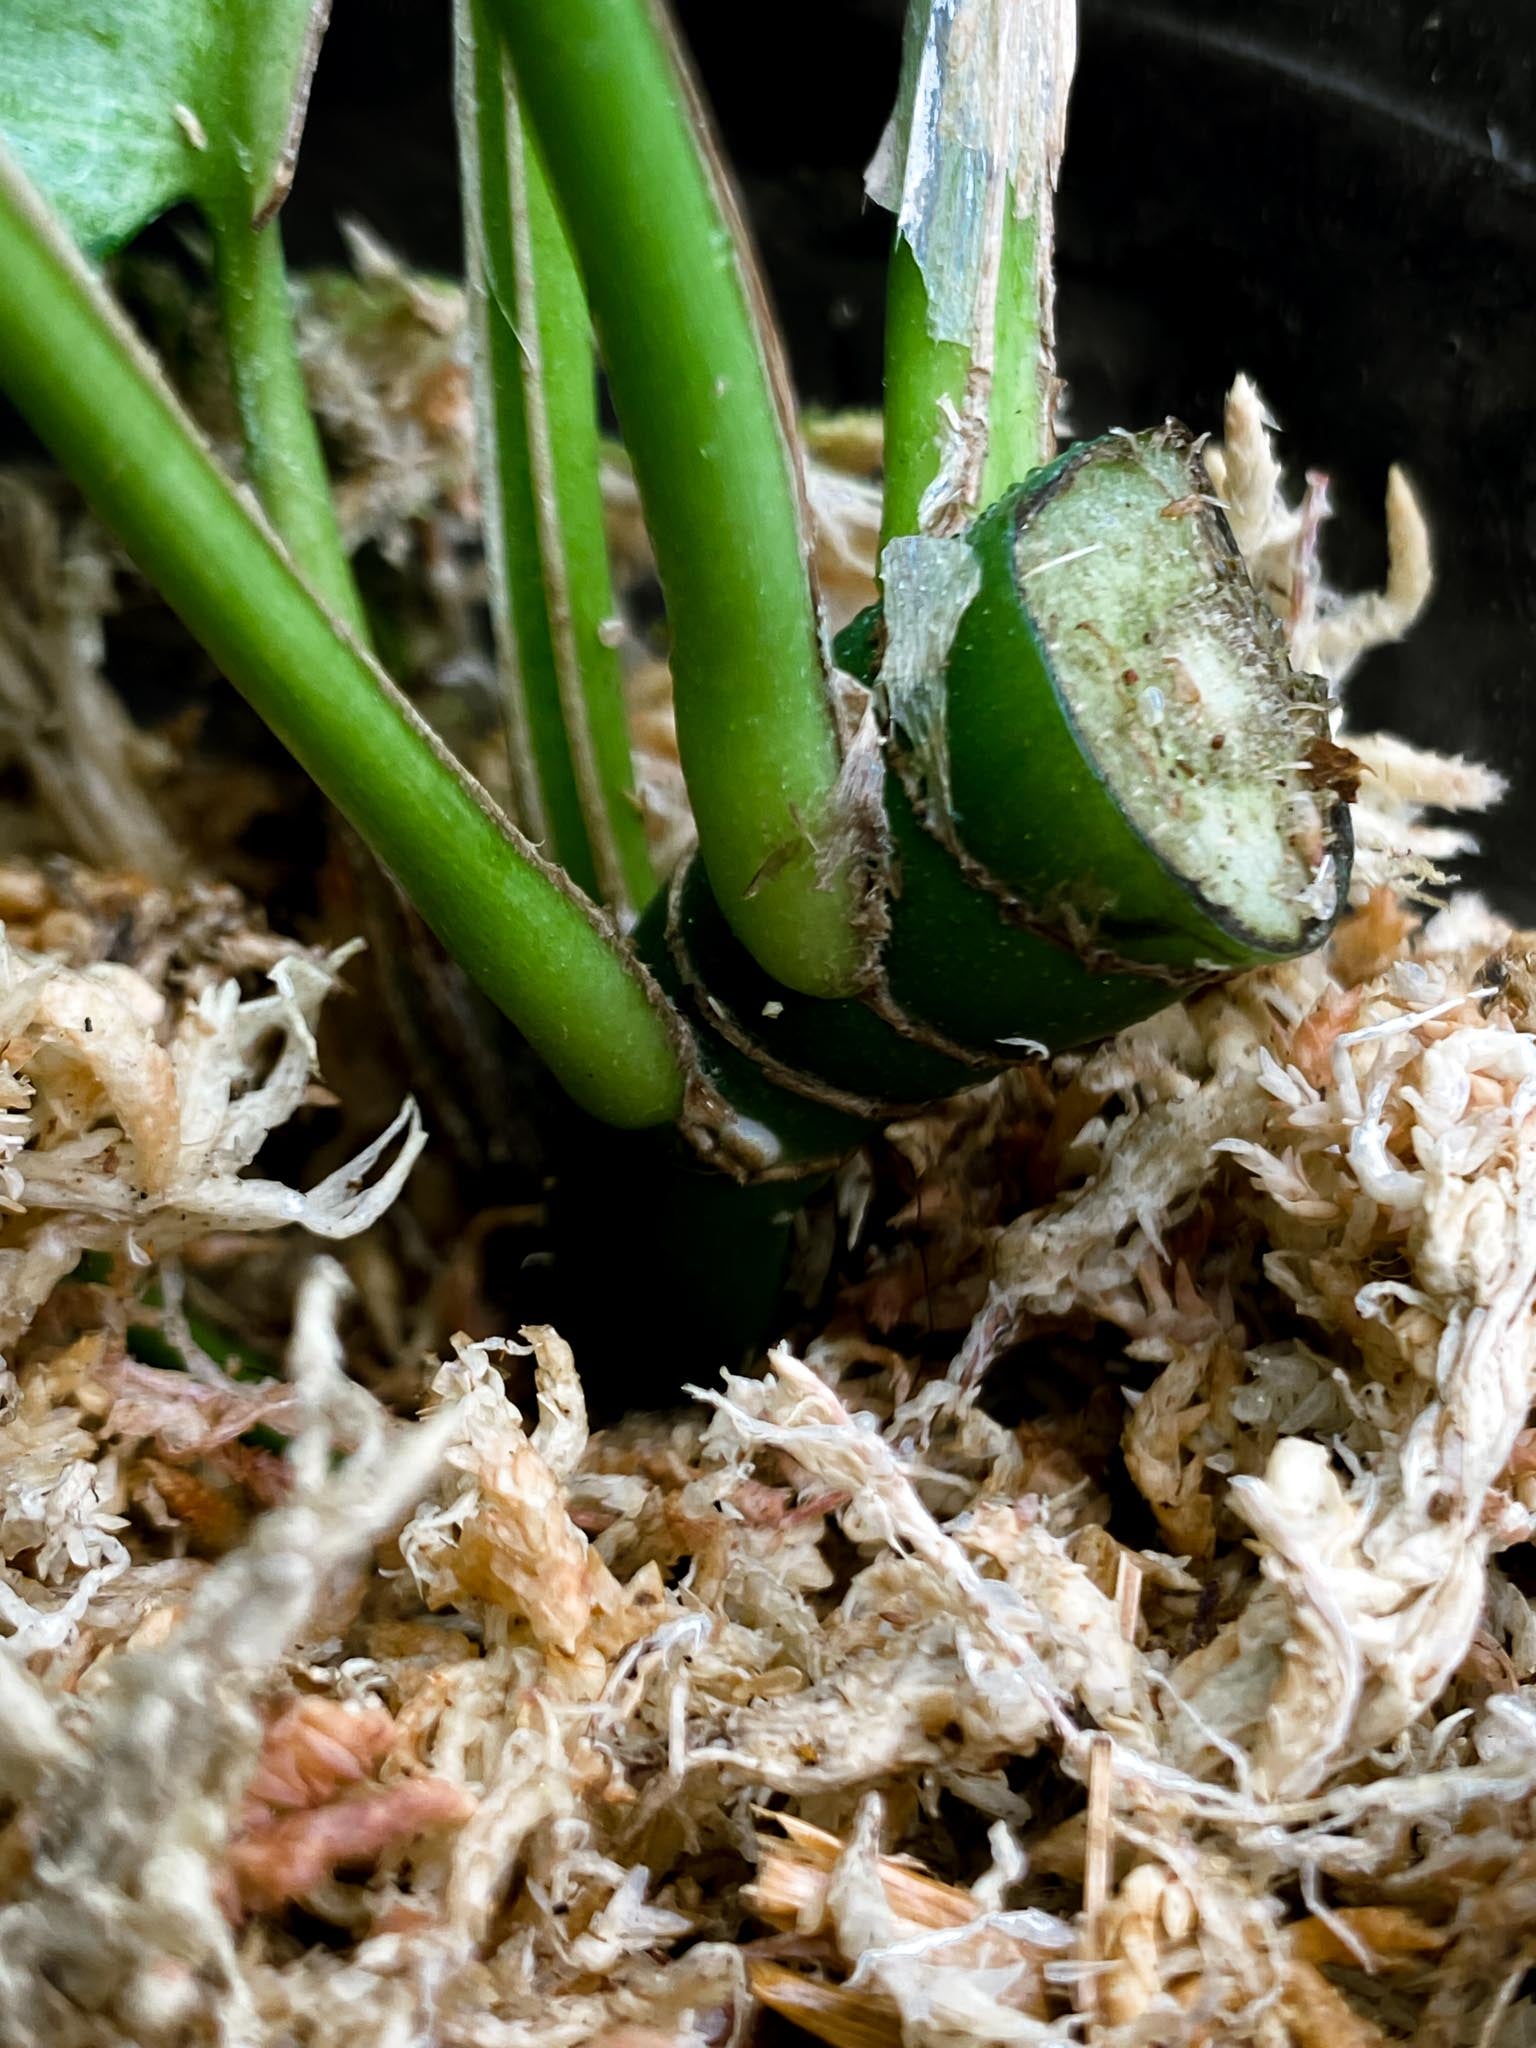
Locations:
{"points": [[969, 169], [282, 447], [552, 593], [700, 394], [933, 391], [78, 372]]}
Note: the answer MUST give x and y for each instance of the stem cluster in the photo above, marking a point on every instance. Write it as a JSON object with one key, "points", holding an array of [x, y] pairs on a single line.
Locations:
{"points": [[1061, 774]]}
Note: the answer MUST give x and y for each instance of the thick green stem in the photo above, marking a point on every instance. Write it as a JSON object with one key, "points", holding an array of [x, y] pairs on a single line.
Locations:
{"points": [[699, 390], [970, 171], [282, 448], [1155, 801], [88, 387], [930, 382], [552, 592]]}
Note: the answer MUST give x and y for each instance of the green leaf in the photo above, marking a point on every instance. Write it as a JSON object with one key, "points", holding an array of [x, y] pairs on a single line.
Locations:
{"points": [[118, 109]]}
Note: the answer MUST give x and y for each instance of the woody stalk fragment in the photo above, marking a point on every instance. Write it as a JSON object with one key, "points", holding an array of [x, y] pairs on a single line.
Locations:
{"points": [[1062, 774]]}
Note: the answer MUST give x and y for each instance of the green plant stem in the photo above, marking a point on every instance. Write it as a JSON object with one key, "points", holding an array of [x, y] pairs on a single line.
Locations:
{"points": [[969, 371], [698, 388], [90, 390], [922, 377], [926, 382], [552, 590], [282, 447]]}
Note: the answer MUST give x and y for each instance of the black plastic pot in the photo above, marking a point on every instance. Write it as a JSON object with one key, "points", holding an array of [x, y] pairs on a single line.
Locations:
{"points": [[1341, 199]]}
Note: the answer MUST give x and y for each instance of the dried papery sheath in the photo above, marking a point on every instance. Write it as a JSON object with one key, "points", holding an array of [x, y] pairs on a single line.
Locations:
{"points": [[982, 113], [929, 583]]}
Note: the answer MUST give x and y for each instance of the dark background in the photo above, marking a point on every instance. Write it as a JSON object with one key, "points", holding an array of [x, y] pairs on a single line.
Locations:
{"points": [[1339, 198]]}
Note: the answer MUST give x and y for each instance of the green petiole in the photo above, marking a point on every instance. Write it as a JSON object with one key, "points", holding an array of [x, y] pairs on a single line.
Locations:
{"points": [[694, 369], [90, 390], [282, 446], [969, 169], [552, 592]]}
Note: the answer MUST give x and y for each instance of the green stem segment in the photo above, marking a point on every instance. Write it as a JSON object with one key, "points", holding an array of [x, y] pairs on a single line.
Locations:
{"points": [[79, 374], [1087, 824], [970, 172], [282, 447], [553, 601], [699, 391], [930, 382]]}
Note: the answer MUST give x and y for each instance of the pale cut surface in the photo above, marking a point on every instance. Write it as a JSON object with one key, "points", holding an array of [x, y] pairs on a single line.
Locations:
{"points": [[1184, 700]]}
